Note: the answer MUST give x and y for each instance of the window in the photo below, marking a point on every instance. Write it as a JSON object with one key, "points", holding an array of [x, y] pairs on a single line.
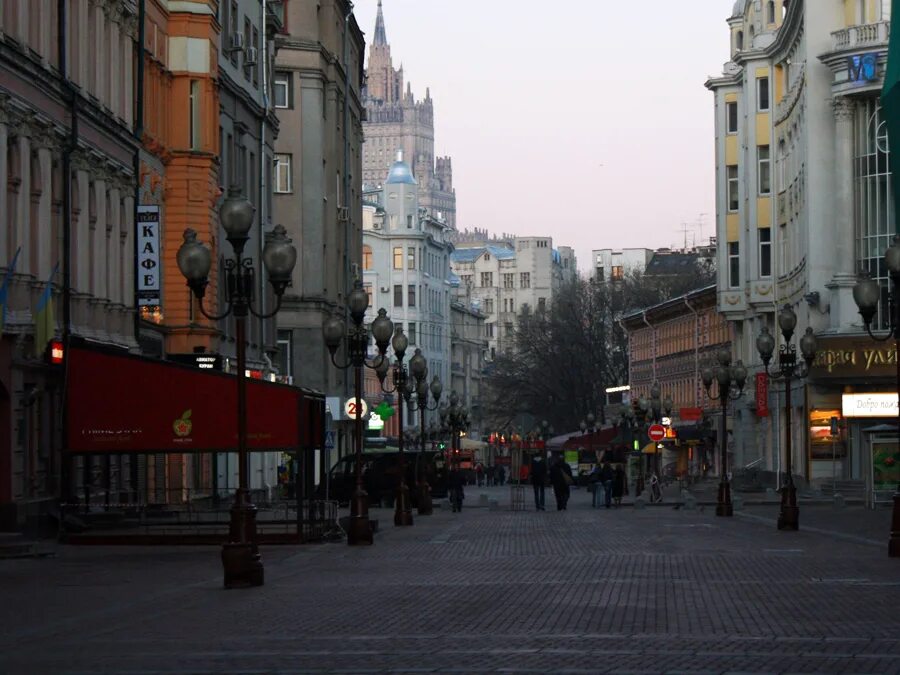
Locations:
{"points": [[281, 90], [233, 29], [525, 280], [409, 222], [508, 329], [411, 296], [248, 42], [195, 115], [770, 11], [734, 265], [411, 333], [284, 361], [255, 66], [489, 330], [861, 13], [733, 201], [542, 304], [398, 295], [509, 281], [367, 257], [371, 293], [282, 173], [617, 273], [762, 94], [765, 252], [731, 117], [411, 258], [487, 279], [398, 257], [739, 41], [765, 170], [489, 306]]}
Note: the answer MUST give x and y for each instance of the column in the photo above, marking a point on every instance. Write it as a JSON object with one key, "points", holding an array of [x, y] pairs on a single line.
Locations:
{"points": [[42, 232], [113, 228], [5, 253], [844, 313], [81, 238], [23, 202], [100, 261]]}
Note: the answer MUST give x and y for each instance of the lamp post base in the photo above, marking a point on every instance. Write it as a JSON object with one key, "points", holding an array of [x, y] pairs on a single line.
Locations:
{"points": [[426, 507], [724, 507], [241, 562], [402, 510], [789, 516], [894, 544], [360, 531]]}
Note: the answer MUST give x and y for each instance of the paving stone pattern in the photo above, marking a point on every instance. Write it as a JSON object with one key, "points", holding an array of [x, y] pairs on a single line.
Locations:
{"points": [[583, 590]]}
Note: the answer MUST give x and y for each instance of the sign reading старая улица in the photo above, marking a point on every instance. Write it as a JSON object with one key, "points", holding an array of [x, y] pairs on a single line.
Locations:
{"points": [[869, 405]]}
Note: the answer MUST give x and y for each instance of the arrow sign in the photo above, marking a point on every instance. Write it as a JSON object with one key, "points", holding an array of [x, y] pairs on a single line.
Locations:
{"points": [[656, 432]]}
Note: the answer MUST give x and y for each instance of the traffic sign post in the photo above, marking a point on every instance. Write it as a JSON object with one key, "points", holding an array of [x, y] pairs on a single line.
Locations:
{"points": [[656, 432]]}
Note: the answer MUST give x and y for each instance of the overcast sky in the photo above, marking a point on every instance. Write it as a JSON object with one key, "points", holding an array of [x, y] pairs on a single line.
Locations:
{"points": [[585, 120]]}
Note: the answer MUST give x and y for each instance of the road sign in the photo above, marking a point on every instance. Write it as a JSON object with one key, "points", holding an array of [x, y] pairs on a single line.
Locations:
{"points": [[656, 432], [329, 440], [351, 411]]}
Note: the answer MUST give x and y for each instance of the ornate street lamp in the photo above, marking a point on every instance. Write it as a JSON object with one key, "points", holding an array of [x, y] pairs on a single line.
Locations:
{"points": [[731, 380], [420, 403], [240, 556], [357, 336], [399, 343], [788, 369], [866, 294]]}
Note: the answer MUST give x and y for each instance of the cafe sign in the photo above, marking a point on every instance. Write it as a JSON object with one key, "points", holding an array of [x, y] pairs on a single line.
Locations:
{"points": [[869, 405], [849, 357]]}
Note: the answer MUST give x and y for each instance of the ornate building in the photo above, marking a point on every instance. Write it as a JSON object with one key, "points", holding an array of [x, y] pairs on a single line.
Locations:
{"points": [[395, 120]]}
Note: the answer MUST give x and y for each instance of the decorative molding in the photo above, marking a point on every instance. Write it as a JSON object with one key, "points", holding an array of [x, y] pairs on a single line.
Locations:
{"points": [[844, 109]]}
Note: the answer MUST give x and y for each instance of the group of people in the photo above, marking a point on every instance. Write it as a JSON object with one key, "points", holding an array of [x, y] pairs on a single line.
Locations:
{"points": [[489, 476], [608, 483]]}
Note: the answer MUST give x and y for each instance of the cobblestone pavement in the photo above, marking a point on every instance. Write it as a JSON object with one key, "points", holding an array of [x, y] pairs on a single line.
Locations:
{"points": [[583, 590]]}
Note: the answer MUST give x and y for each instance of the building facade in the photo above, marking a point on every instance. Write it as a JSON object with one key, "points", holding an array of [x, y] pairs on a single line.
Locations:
{"points": [[613, 264], [83, 257], [318, 181], [669, 344], [406, 268], [468, 347], [396, 120], [803, 202]]}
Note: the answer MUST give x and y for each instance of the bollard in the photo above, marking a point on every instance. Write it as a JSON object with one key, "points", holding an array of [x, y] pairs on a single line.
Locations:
{"points": [[482, 499]]}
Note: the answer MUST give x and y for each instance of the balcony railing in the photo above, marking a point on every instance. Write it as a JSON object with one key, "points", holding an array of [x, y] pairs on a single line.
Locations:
{"points": [[857, 37]]}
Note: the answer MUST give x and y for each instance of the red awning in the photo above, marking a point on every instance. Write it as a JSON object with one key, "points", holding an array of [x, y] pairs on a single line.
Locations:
{"points": [[122, 403], [599, 440]]}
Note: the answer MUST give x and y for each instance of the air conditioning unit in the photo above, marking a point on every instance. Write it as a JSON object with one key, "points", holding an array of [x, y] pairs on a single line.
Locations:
{"points": [[250, 56], [237, 42], [343, 214]]}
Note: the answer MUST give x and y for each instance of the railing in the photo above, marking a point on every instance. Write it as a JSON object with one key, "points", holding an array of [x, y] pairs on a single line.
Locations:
{"points": [[867, 35]]}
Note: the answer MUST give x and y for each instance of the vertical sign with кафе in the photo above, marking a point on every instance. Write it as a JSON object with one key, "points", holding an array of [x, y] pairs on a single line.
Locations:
{"points": [[148, 282]]}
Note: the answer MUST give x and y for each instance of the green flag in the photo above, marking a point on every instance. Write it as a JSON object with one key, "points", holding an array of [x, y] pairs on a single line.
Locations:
{"points": [[890, 102]]}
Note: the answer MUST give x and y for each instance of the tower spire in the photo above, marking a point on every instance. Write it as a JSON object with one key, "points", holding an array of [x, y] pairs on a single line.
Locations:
{"points": [[380, 33]]}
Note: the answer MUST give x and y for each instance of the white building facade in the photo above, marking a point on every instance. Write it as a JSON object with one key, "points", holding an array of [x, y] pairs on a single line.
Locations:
{"points": [[609, 264], [803, 203]]}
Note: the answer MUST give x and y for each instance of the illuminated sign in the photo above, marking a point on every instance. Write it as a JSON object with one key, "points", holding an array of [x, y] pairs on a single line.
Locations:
{"points": [[616, 390], [375, 421], [202, 361], [148, 272], [862, 67], [56, 352], [869, 405]]}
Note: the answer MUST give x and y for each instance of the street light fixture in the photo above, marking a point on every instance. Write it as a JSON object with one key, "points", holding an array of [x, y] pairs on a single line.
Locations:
{"points": [[867, 294], [240, 555], [399, 343], [731, 380], [335, 332], [420, 404], [788, 369]]}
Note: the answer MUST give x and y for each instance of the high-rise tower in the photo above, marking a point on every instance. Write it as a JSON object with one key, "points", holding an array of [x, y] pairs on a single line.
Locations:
{"points": [[395, 120]]}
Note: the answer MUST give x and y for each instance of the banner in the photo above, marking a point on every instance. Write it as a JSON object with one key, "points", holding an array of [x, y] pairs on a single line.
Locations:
{"points": [[762, 395], [148, 271]]}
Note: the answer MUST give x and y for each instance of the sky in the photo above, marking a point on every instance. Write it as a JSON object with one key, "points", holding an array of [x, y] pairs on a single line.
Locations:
{"points": [[585, 120]]}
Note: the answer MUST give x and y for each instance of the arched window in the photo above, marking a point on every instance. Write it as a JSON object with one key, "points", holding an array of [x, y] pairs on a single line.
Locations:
{"points": [[367, 257], [770, 11]]}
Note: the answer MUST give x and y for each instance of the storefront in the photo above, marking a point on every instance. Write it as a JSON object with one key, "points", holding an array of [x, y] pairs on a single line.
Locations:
{"points": [[852, 415]]}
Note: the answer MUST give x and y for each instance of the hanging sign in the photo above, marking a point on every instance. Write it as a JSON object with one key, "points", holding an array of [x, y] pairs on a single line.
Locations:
{"points": [[762, 395], [148, 270]]}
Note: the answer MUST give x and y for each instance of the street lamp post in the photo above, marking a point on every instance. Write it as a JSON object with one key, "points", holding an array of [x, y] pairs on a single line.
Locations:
{"points": [[399, 343], [653, 410], [788, 369], [240, 555], [867, 294], [425, 505], [731, 380], [335, 331]]}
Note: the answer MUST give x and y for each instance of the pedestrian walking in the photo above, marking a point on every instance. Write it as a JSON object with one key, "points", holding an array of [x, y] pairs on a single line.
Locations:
{"points": [[618, 485], [455, 483], [479, 474], [561, 478], [607, 475], [501, 476], [491, 475], [538, 478], [596, 486]]}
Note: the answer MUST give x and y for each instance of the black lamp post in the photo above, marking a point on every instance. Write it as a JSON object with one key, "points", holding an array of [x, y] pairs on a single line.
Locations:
{"points": [[731, 380], [420, 370], [788, 369], [458, 421], [335, 331], [867, 294], [653, 410], [399, 343], [240, 556]]}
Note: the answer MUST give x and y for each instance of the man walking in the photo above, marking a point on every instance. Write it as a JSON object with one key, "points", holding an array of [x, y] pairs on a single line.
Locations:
{"points": [[607, 475], [538, 478], [561, 479]]}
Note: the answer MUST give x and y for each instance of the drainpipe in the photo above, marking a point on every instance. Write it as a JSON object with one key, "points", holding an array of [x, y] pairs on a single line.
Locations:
{"points": [[347, 224], [262, 50]]}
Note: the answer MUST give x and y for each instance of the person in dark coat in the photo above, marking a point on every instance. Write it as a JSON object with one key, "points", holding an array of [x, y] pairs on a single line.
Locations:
{"points": [[538, 479], [618, 488], [561, 478], [607, 475], [455, 484]]}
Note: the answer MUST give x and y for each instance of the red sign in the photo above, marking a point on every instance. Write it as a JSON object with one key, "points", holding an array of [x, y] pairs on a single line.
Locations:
{"points": [[122, 403], [656, 432], [690, 414], [762, 395]]}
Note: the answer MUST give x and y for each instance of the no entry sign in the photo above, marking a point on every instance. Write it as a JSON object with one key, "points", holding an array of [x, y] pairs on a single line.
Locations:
{"points": [[656, 432]]}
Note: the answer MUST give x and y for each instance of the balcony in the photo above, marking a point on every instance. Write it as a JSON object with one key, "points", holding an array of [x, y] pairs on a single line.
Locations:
{"points": [[274, 16], [862, 37]]}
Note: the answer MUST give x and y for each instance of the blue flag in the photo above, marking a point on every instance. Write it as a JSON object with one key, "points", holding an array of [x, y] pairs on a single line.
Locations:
{"points": [[4, 289]]}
